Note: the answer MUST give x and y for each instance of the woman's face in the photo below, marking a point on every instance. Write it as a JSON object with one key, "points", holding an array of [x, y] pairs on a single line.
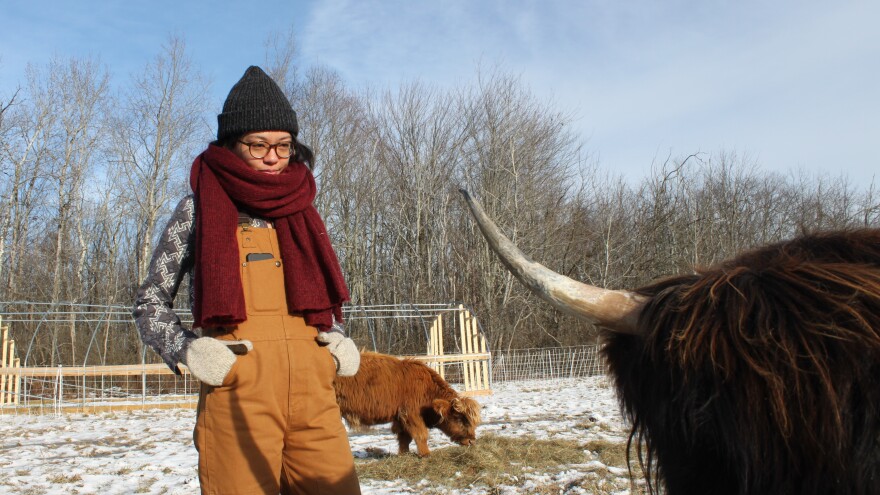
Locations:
{"points": [[267, 142]]}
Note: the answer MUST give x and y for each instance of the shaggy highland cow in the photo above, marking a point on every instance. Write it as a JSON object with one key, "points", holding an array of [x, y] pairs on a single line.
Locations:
{"points": [[409, 395], [756, 376]]}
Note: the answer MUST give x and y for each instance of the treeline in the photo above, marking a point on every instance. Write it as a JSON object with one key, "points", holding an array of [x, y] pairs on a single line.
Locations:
{"points": [[90, 171]]}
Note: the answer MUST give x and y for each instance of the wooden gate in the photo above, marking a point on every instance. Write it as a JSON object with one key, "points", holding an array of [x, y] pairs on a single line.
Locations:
{"points": [[10, 379], [469, 360]]}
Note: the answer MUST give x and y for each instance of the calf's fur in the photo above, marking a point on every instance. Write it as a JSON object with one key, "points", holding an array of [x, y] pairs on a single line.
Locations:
{"points": [[409, 395]]}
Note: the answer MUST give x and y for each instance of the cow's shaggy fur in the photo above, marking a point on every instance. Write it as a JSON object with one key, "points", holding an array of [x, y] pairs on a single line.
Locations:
{"points": [[409, 395], [760, 375]]}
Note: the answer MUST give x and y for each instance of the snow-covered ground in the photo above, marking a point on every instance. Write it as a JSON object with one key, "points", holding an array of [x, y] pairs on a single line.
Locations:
{"points": [[151, 452]]}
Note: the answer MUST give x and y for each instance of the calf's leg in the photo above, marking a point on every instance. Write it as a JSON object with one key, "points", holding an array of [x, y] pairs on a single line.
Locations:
{"points": [[416, 429], [403, 436]]}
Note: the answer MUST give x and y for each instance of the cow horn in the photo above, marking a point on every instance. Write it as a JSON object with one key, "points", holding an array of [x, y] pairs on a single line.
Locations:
{"points": [[615, 310]]}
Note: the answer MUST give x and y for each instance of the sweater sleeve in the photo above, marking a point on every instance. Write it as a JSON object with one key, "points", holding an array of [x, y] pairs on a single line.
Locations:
{"points": [[159, 326]]}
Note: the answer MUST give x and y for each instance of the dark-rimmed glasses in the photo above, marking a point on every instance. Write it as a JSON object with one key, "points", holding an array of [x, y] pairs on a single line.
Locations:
{"points": [[259, 149]]}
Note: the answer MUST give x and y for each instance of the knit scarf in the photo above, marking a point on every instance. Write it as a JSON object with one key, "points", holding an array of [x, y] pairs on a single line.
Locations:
{"points": [[313, 280]]}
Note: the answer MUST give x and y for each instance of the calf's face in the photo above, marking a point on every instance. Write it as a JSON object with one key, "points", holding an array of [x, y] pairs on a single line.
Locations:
{"points": [[459, 419]]}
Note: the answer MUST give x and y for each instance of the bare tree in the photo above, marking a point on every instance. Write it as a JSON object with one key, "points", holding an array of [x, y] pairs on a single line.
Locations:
{"points": [[25, 151], [523, 162], [77, 89], [158, 129], [11, 173], [4, 107], [335, 124], [280, 60], [419, 139]]}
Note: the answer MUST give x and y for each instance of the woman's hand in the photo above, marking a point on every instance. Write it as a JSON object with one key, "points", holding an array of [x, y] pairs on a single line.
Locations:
{"points": [[343, 350], [209, 359]]}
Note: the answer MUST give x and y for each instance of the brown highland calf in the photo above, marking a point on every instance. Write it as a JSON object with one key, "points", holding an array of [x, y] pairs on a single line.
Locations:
{"points": [[409, 395]]}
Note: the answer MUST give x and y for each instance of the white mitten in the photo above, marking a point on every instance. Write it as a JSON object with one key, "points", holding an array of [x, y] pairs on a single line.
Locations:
{"points": [[209, 359], [343, 350]]}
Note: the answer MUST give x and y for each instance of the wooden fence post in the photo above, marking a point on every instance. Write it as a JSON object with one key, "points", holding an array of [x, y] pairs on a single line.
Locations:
{"points": [[481, 341], [9, 383], [10, 359], [15, 393], [435, 346], [432, 344], [465, 348], [474, 348], [3, 354]]}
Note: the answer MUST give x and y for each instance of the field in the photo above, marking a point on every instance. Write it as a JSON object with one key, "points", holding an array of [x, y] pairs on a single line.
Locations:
{"points": [[538, 437]]}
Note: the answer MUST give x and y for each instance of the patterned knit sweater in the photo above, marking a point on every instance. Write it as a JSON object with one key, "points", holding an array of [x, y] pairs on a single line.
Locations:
{"points": [[158, 324]]}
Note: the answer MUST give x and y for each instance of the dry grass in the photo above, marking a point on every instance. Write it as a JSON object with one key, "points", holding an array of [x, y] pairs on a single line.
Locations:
{"points": [[64, 478], [493, 460], [614, 454], [144, 485], [610, 453]]}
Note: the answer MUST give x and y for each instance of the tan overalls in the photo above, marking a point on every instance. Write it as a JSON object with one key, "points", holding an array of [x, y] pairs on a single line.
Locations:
{"points": [[273, 426]]}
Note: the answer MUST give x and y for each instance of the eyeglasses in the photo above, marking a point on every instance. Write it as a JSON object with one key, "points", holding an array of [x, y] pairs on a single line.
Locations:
{"points": [[259, 149]]}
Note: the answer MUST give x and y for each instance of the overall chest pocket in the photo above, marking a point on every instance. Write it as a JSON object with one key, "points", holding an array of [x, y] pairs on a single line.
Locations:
{"points": [[262, 272], [263, 283]]}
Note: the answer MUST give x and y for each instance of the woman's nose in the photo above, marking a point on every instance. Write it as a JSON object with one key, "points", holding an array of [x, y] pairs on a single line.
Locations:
{"points": [[271, 156]]}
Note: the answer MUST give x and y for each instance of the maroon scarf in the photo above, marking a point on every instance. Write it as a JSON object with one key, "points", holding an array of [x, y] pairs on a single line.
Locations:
{"points": [[313, 280]]}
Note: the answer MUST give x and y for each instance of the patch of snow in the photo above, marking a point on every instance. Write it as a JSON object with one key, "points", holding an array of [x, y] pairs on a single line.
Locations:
{"points": [[152, 452]]}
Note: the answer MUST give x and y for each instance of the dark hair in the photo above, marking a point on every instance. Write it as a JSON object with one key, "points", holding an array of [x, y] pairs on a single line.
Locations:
{"points": [[301, 152]]}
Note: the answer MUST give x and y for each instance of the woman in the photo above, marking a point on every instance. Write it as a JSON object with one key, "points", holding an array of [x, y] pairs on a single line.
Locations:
{"points": [[267, 295]]}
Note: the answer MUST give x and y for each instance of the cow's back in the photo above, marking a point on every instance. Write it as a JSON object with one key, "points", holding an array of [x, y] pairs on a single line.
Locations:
{"points": [[385, 387]]}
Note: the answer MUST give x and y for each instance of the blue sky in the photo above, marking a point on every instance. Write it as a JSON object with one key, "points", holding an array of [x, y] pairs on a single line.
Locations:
{"points": [[792, 85]]}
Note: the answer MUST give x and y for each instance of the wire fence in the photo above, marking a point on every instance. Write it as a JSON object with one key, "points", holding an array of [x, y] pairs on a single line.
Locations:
{"points": [[67, 357], [81, 389], [73, 334], [85, 390], [547, 364]]}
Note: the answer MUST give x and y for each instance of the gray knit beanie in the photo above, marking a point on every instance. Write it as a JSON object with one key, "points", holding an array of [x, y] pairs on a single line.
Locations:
{"points": [[255, 103]]}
